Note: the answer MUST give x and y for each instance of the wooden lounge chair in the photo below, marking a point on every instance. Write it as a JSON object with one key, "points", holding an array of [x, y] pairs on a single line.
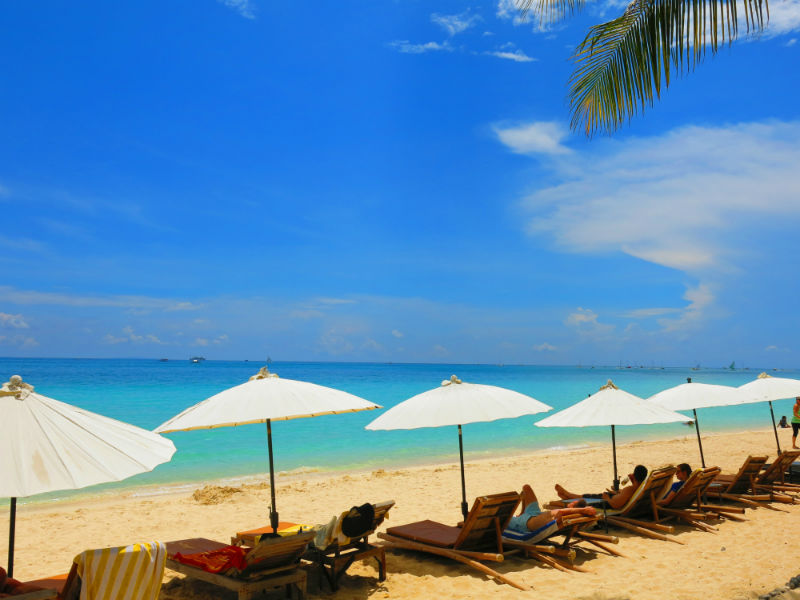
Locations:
{"points": [[270, 564], [334, 558], [640, 513], [131, 572], [479, 539], [773, 478], [543, 545], [740, 487], [687, 503]]}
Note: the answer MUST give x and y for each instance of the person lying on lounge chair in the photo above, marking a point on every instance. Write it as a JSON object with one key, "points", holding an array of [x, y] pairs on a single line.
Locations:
{"points": [[533, 517], [682, 474], [615, 499]]}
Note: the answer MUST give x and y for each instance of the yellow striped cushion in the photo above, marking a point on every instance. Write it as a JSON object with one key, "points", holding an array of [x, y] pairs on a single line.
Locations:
{"points": [[124, 573]]}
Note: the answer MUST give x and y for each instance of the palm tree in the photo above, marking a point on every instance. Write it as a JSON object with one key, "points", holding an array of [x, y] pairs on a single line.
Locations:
{"points": [[621, 65]]}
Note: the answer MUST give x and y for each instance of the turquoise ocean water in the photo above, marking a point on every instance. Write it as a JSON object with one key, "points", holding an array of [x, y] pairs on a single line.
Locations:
{"points": [[148, 392]]}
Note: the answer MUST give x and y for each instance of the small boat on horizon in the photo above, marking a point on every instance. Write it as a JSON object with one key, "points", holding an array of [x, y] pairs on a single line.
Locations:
{"points": [[197, 359]]}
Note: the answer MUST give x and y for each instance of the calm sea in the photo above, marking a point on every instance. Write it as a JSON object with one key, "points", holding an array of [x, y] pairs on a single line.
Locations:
{"points": [[148, 392]]}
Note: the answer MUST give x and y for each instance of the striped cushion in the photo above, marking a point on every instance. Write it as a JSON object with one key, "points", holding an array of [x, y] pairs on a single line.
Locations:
{"points": [[124, 573], [544, 531]]}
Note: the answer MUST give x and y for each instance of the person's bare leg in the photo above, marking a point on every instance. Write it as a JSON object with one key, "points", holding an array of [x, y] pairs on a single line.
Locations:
{"points": [[528, 496], [794, 442], [565, 495]]}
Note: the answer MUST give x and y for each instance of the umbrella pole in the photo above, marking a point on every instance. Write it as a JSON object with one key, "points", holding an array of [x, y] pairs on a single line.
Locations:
{"points": [[614, 450], [774, 428], [11, 528], [699, 443], [273, 513], [464, 510]]}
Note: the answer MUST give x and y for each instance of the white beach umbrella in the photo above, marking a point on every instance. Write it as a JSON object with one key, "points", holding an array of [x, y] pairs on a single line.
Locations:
{"points": [[263, 399], [457, 403], [766, 388], [691, 396], [611, 406], [49, 446]]}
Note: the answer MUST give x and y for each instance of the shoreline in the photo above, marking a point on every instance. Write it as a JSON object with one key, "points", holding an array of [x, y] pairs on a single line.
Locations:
{"points": [[178, 488]]}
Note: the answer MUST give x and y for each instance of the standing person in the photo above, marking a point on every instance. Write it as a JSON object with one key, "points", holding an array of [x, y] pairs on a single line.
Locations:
{"points": [[795, 421]]}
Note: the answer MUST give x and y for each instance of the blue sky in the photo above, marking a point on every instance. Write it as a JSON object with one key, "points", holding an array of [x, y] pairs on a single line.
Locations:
{"points": [[386, 181]]}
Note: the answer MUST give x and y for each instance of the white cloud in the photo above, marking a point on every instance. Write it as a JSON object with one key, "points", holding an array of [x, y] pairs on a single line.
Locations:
{"points": [[397, 334], [784, 17], [508, 10], [791, 42], [545, 347], [440, 351], [516, 55], [32, 297], [407, 47], [455, 24], [700, 299], [13, 321], [585, 321], [647, 313], [541, 137], [243, 7], [684, 200], [19, 341], [305, 314], [131, 337], [335, 301], [184, 306]]}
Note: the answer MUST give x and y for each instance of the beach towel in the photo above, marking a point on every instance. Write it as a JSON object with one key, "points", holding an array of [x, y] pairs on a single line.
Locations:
{"points": [[216, 561], [124, 573]]}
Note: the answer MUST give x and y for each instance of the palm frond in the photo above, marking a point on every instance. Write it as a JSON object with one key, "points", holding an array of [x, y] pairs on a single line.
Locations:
{"points": [[549, 11], [622, 64]]}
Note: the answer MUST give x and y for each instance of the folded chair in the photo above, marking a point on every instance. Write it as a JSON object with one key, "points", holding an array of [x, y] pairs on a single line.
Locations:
{"points": [[640, 513], [542, 545], [272, 563], [740, 487], [687, 503], [480, 537], [773, 478], [334, 553], [131, 572]]}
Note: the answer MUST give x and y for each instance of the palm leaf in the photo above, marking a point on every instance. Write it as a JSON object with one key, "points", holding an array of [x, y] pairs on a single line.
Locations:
{"points": [[622, 64], [549, 11]]}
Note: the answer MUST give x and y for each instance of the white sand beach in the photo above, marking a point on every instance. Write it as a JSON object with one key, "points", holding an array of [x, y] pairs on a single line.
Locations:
{"points": [[739, 561]]}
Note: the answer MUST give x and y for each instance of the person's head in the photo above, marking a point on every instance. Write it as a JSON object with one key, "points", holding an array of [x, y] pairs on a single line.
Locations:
{"points": [[797, 400], [783, 418], [639, 474], [683, 472]]}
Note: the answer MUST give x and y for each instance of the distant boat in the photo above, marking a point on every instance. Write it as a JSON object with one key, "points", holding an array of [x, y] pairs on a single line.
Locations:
{"points": [[697, 368], [732, 366], [197, 359], [269, 360], [163, 359]]}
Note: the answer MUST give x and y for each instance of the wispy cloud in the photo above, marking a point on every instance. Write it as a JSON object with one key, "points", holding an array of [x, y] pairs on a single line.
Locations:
{"points": [[244, 7], [13, 321], [539, 137], [129, 336], [407, 47], [682, 200], [455, 24], [515, 55], [18, 341], [545, 347], [397, 334], [649, 313], [33, 297]]}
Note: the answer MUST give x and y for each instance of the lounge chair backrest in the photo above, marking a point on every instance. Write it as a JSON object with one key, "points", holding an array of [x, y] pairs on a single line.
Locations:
{"points": [[654, 486], [124, 573], [694, 487], [750, 470], [381, 512], [274, 552], [776, 471], [486, 521]]}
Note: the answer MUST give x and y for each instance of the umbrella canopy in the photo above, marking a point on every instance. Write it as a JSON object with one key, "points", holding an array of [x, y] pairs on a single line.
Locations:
{"points": [[48, 446], [263, 399], [691, 396], [611, 406], [457, 403], [766, 388]]}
